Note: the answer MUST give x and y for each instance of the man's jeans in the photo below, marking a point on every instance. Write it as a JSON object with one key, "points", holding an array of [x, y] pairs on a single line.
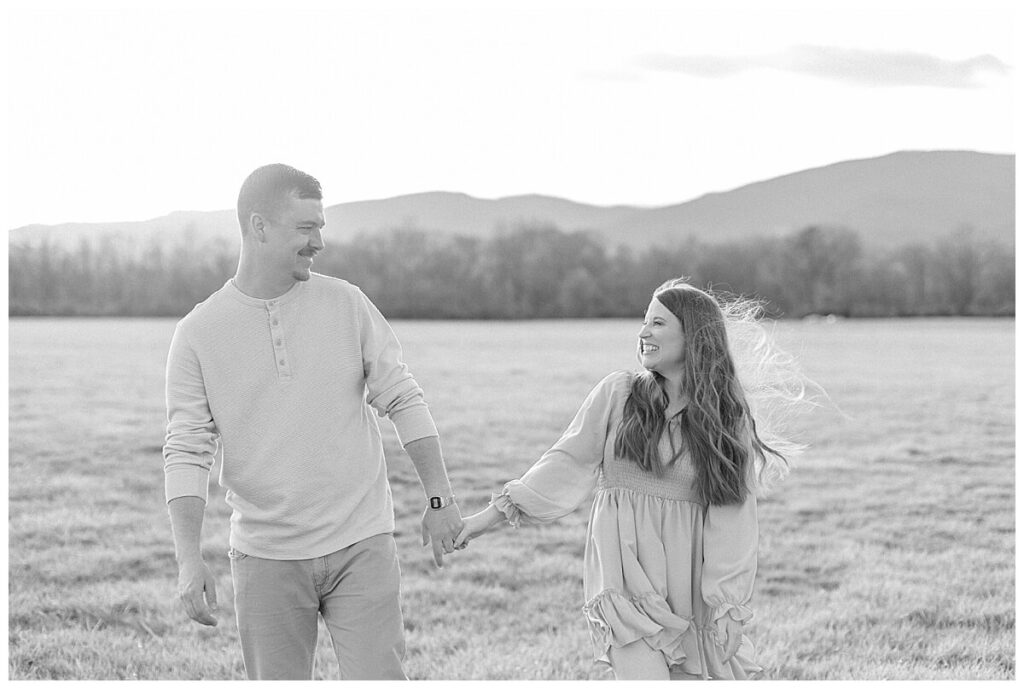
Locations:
{"points": [[356, 589]]}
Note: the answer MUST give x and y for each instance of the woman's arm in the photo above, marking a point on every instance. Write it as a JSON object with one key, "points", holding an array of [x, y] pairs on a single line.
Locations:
{"points": [[730, 565], [476, 524], [566, 474]]}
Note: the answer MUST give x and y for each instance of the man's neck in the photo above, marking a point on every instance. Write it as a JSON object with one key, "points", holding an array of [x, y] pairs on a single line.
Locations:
{"points": [[258, 285]]}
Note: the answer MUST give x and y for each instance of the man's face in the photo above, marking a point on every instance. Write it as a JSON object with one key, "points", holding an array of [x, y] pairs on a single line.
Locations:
{"points": [[293, 236]]}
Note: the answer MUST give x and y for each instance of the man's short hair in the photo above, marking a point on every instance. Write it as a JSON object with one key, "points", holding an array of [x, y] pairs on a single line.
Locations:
{"points": [[266, 187]]}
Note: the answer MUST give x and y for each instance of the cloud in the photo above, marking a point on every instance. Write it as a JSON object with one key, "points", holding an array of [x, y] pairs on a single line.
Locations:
{"points": [[615, 75], [849, 65]]}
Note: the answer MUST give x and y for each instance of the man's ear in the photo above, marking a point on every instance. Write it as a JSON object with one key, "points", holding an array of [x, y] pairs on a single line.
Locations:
{"points": [[258, 227]]}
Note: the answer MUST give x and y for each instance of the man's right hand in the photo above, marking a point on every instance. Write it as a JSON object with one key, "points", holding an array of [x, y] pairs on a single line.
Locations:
{"points": [[198, 591]]}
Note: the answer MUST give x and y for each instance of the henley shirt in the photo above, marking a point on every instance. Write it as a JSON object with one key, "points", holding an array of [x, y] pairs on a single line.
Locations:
{"points": [[284, 391]]}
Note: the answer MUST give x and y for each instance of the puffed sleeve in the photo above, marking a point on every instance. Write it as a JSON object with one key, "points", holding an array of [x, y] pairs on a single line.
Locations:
{"points": [[566, 474], [730, 558], [730, 553]]}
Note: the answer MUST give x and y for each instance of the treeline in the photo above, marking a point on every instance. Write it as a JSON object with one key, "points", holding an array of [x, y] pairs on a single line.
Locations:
{"points": [[542, 272]]}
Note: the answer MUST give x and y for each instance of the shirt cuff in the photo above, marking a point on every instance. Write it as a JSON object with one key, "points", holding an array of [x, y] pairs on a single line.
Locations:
{"points": [[414, 424], [186, 481]]}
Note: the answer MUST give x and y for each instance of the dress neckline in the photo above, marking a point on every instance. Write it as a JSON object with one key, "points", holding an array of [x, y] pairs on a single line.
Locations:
{"points": [[673, 415]]}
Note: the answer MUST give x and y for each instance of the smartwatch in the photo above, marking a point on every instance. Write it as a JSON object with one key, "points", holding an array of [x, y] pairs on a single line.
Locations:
{"points": [[437, 503]]}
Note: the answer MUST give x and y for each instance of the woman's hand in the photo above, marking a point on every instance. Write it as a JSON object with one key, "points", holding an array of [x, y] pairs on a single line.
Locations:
{"points": [[476, 524], [729, 635]]}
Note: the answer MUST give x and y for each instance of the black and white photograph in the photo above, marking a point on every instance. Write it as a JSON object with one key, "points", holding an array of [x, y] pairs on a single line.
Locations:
{"points": [[495, 341]]}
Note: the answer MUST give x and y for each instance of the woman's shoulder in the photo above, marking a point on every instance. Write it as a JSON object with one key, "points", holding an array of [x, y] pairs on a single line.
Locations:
{"points": [[615, 384]]}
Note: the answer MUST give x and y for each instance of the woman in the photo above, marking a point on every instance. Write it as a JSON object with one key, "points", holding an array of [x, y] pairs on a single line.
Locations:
{"points": [[676, 457]]}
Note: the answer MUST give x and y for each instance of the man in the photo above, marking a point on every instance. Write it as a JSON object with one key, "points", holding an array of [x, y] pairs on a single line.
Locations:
{"points": [[278, 370]]}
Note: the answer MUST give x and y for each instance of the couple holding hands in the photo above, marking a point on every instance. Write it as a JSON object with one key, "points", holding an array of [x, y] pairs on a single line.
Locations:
{"points": [[280, 372]]}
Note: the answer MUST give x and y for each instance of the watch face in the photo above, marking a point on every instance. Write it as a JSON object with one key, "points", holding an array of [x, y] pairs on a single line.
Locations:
{"points": [[435, 503]]}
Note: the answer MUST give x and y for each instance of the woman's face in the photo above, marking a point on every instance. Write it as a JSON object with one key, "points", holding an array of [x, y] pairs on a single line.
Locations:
{"points": [[661, 340]]}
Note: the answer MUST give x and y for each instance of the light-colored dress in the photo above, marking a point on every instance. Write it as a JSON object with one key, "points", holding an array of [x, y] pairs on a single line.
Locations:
{"points": [[659, 565]]}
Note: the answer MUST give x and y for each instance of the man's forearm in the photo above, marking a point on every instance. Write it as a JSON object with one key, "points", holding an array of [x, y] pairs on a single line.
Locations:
{"points": [[425, 454], [439, 526], [187, 525]]}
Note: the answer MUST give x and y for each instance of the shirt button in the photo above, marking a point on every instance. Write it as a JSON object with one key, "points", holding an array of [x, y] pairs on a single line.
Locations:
{"points": [[277, 342], [270, 303], [281, 362], [273, 322]]}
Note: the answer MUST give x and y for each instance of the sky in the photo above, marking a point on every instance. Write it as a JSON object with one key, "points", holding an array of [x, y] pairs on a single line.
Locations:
{"points": [[132, 110]]}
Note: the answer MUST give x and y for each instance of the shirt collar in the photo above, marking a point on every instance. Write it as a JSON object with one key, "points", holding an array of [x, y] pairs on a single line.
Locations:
{"points": [[238, 295]]}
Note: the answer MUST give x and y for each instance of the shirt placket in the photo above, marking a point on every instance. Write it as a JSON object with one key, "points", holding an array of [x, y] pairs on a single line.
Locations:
{"points": [[281, 359]]}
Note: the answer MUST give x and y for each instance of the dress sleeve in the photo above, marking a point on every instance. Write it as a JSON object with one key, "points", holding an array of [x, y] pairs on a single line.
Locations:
{"points": [[566, 474], [730, 558]]}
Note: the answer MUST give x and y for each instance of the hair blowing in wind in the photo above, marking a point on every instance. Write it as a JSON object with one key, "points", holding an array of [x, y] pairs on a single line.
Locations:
{"points": [[740, 388]]}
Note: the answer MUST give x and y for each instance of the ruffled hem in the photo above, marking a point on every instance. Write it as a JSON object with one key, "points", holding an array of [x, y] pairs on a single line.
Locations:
{"points": [[616, 620], [504, 503]]}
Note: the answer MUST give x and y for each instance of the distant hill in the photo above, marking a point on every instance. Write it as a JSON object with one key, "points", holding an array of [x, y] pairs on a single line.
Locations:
{"points": [[167, 230], [890, 200]]}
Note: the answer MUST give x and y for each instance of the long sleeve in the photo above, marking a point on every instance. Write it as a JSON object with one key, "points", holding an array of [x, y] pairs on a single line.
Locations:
{"points": [[391, 389], [567, 473], [730, 558], [192, 440]]}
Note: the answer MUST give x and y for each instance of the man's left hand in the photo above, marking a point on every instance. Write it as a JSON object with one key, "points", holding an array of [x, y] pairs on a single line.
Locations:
{"points": [[440, 528]]}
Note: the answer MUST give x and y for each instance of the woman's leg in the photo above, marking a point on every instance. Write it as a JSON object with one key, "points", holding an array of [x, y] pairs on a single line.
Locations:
{"points": [[638, 661]]}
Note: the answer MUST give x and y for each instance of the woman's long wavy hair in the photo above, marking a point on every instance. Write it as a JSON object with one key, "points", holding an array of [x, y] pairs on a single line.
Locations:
{"points": [[718, 427]]}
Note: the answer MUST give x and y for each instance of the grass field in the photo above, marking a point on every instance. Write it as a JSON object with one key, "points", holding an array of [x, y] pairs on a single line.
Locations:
{"points": [[888, 554]]}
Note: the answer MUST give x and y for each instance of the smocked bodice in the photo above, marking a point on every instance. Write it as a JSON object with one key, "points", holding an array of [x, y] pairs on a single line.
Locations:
{"points": [[675, 483]]}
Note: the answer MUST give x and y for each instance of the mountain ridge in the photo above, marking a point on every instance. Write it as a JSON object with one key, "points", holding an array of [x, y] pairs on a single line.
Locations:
{"points": [[895, 198]]}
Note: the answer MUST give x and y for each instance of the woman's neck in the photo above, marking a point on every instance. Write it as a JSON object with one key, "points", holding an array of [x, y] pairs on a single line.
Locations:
{"points": [[677, 397]]}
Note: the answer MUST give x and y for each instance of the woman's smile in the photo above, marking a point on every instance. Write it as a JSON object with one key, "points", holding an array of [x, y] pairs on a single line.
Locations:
{"points": [[661, 330]]}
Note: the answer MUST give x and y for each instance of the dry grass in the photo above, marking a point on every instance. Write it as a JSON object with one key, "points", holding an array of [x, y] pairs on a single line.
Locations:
{"points": [[888, 554]]}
